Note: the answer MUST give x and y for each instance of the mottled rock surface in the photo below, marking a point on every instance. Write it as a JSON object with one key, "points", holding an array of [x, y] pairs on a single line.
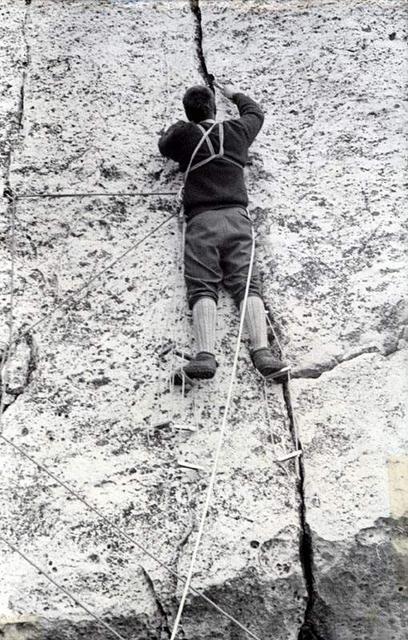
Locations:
{"points": [[86, 383], [327, 175], [89, 86], [353, 427], [327, 172]]}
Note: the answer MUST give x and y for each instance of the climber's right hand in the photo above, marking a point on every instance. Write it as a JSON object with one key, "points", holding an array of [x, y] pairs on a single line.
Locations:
{"points": [[227, 90]]}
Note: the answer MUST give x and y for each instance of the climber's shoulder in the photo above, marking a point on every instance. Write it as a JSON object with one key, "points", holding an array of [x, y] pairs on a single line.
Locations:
{"points": [[178, 134]]}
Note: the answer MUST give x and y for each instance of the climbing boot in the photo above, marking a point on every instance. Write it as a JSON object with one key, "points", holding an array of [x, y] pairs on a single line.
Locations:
{"points": [[269, 366], [202, 367]]}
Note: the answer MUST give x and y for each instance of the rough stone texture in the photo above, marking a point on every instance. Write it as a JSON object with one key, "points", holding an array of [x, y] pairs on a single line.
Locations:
{"points": [[352, 424], [92, 93], [326, 180], [12, 59], [327, 172], [5, 264], [86, 383]]}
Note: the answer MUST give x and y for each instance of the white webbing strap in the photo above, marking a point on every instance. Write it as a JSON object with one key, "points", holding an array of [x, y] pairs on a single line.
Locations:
{"points": [[187, 171], [208, 140], [193, 155], [213, 155], [221, 134]]}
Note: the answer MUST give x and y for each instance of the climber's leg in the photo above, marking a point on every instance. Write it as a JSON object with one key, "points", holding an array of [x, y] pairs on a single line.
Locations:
{"points": [[256, 322], [203, 365], [203, 276], [235, 259], [202, 270], [204, 321], [263, 359]]}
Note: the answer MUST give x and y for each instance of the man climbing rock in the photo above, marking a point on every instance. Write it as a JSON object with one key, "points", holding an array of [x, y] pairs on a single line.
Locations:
{"points": [[218, 231]]}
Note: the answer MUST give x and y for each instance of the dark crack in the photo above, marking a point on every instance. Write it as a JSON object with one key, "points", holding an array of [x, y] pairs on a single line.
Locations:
{"points": [[184, 540], [310, 629], [14, 139], [31, 365], [316, 370], [18, 122], [179, 550], [312, 626], [165, 632], [208, 77]]}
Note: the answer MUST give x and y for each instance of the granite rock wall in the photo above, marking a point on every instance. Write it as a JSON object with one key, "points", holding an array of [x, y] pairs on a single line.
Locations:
{"points": [[316, 552]]}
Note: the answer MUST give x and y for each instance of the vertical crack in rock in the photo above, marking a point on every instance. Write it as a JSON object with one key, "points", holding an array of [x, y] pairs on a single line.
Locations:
{"points": [[313, 623], [27, 369], [164, 621], [309, 629], [208, 78], [14, 139], [179, 550], [17, 126], [184, 540]]}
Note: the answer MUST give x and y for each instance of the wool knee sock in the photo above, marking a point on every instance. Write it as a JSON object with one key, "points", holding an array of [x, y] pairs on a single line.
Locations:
{"points": [[204, 321], [256, 322]]}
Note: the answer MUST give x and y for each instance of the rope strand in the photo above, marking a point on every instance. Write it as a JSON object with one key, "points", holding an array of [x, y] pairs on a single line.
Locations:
{"points": [[187, 581], [128, 194], [74, 294], [120, 531], [61, 588], [89, 506], [217, 455]]}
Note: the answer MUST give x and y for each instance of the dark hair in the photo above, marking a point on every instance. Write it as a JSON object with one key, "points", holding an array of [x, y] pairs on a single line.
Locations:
{"points": [[199, 103]]}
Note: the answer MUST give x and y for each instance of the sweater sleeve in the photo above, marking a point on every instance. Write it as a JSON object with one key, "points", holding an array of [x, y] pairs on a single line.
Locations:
{"points": [[251, 116], [172, 140]]}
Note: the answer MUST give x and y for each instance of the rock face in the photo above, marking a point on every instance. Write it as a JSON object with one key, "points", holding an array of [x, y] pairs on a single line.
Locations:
{"points": [[326, 179], [327, 195], [89, 86], [352, 424], [86, 384]]}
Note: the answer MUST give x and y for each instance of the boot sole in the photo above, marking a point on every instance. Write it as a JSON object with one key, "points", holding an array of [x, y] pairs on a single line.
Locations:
{"points": [[181, 377], [201, 374], [282, 373]]}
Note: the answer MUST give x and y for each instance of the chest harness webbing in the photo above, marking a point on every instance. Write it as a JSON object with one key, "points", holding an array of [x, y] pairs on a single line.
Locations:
{"points": [[213, 155]]}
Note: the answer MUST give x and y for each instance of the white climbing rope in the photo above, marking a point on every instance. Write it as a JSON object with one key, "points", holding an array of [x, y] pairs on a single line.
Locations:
{"points": [[95, 194], [178, 311], [7, 352], [56, 584], [213, 155], [74, 493], [204, 137], [217, 455], [114, 527], [72, 296]]}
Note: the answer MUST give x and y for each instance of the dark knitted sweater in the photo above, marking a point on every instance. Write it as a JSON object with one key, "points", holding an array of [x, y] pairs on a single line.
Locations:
{"points": [[218, 184]]}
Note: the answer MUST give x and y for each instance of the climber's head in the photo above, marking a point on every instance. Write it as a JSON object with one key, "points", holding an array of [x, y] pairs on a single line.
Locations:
{"points": [[199, 103]]}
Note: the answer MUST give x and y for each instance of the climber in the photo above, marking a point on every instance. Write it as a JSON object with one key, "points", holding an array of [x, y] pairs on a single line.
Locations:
{"points": [[218, 244]]}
